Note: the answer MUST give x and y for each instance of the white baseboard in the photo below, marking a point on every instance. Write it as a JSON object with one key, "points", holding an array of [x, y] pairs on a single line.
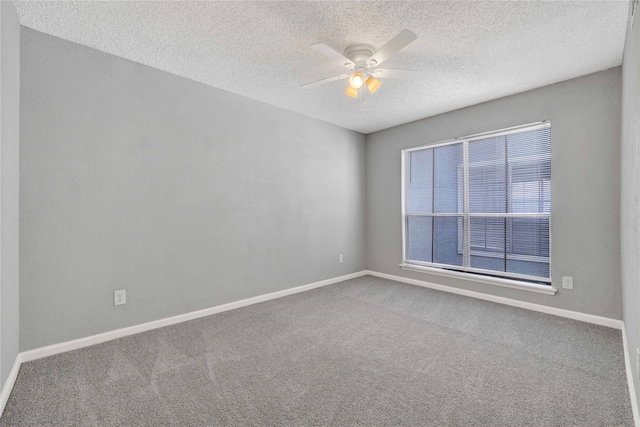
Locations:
{"points": [[8, 384], [119, 333], [123, 332], [630, 378], [130, 330], [589, 318]]}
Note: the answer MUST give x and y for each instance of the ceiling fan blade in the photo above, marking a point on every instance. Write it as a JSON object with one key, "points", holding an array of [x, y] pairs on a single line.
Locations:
{"points": [[323, 81], [388, 73], [394, 45], [333, 54]]}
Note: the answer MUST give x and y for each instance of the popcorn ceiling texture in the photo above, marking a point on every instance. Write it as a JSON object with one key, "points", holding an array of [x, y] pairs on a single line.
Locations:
{"points": [[470, 51]]}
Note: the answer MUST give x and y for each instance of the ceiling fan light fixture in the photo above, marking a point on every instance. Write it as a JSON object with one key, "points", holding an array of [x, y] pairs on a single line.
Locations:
{"points": [[356, 80], [373, 84], [351, 92]]}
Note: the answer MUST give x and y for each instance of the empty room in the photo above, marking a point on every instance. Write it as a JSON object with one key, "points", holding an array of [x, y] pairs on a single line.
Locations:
{"points": [[320, 213]]}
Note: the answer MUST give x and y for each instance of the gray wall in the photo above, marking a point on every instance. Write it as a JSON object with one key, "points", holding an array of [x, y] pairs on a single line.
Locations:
{"points": [[9, 202], [630, 194], [585, 160], [184, 195]]}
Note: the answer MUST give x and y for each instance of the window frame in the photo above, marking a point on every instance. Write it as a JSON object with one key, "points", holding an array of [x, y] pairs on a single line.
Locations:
{"points": [[542, 284]]}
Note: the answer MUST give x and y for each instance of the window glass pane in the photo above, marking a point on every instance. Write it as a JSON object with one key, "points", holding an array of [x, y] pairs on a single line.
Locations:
{"points": [[530, 143], [530, 236], [487, 261], [514, 245], [419, 181], [419, 238], [488, 175], [530, 196], [489, 239], [488, 234], [529, 157], [448, 179], [531, 268], [530, 247], [445, 240]]}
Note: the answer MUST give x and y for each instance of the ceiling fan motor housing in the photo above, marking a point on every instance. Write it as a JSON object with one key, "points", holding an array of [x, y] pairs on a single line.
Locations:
{"points": [[359, 54]]}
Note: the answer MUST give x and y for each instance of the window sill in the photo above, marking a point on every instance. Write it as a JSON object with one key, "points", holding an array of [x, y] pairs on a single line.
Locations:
{"points": [[507, 283]]}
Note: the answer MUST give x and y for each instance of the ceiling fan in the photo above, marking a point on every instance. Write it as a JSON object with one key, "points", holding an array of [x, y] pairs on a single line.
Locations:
{"points": [[362, 60]]}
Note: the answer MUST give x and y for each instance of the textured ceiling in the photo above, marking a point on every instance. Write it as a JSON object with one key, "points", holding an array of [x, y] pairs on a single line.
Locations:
{"points": [[470, 51]]}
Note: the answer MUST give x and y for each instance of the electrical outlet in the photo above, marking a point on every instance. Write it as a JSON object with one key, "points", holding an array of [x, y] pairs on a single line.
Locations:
{"points": [[567, 282], [120, 297], [341, 259]]}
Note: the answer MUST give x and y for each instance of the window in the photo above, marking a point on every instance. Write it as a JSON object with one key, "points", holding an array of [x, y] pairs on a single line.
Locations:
{"points": [[481, 204]]}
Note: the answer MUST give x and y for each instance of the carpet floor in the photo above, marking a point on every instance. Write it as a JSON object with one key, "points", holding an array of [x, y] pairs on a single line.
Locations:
{"points": [[363, 352]]}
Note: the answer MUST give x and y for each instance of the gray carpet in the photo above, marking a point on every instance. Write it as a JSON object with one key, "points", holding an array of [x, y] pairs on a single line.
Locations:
{"points": [[363, 352]]}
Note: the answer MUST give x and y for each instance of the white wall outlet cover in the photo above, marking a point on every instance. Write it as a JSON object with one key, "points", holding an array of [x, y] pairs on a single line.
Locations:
{"points": [[120, 297], [341, 259], [567, 282]]}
